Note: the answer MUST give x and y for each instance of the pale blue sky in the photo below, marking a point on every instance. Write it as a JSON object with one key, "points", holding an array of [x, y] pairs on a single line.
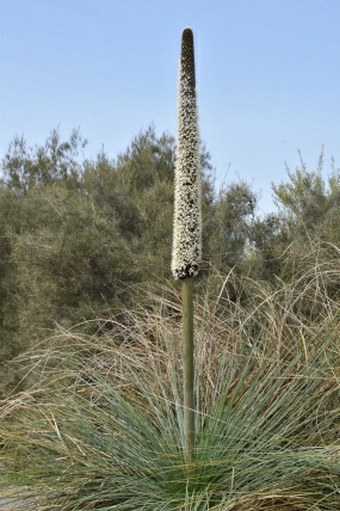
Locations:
{"points": [[268, 76]]}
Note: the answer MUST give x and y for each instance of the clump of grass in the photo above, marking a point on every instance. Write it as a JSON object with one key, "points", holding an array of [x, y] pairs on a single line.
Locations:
{"points": [[102, 427]]}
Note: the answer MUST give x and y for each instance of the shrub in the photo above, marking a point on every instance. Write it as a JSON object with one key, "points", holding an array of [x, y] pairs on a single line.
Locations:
{"points": [[101, 426]]}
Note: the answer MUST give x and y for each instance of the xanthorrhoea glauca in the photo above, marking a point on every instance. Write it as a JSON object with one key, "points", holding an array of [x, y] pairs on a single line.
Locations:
{"points": [[186, 251]]}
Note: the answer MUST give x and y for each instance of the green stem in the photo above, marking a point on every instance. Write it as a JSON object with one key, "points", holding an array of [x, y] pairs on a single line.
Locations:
{"points": [[188, 367]]}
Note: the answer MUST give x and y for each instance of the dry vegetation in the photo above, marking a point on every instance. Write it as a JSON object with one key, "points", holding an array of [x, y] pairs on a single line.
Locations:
{"points": [[99, 424]]}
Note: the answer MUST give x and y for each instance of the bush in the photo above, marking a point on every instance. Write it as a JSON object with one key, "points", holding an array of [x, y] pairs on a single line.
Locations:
{"points": [[101, 426]]}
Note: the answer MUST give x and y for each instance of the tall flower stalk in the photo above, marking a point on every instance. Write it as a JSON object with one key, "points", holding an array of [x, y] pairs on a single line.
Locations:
{"points": [[186, 251]]}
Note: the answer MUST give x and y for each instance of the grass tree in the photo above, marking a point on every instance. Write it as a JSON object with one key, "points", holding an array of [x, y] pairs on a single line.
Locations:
{"points": [[100, 424], [187, 221]]}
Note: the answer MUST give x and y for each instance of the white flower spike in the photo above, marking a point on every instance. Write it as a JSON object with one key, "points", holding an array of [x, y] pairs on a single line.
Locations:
{"points": [[187, 236]]}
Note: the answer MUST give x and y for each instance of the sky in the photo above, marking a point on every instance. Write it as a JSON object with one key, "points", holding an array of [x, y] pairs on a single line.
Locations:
{"points": [[268, 78]]}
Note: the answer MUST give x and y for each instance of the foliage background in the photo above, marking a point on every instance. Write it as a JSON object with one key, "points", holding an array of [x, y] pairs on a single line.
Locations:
{"points": [[91, 375], [78, 237]]}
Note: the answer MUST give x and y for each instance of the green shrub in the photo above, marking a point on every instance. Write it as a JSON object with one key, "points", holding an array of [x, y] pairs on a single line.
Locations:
{"points": [[101, 426]]}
